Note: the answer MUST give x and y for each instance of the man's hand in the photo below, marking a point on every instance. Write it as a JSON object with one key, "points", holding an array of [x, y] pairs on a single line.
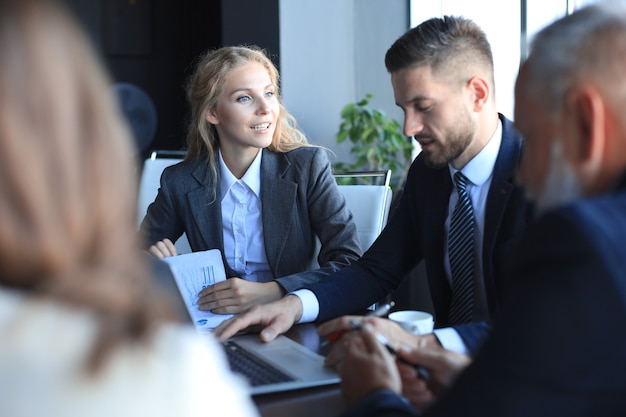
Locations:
{"points": [[443, 365], [275, 318], [395, 335], [162, 249], [367, 367], [235, 295]]}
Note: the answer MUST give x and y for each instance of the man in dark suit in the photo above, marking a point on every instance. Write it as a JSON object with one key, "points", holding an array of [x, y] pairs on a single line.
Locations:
{"points": [[442, 77], [559, 346]]}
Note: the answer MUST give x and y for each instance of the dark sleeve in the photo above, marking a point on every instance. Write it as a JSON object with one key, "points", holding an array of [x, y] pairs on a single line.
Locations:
{"points": [[473, 335], [558, 347], [383, 267], [382, 403]]}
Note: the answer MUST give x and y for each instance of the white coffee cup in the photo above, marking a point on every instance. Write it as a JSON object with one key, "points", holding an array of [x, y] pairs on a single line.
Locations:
{"points": [[413, 321]]}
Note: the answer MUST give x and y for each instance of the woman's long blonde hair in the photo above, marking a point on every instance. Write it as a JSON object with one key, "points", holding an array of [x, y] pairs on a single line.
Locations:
{"points": [[205, 85], [67, 183]]}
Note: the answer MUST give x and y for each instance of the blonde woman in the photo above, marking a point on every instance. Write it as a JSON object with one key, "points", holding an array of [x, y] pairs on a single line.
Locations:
{"points": [[83, 331], [250, 186]]}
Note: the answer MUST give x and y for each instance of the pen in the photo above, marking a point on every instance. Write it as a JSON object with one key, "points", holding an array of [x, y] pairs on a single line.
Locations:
{"points": [[379, 312], [421, 371]]}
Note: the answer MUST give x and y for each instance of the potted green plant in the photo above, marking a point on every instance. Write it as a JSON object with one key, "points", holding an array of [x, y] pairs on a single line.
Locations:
{"points": [[377, 142]]}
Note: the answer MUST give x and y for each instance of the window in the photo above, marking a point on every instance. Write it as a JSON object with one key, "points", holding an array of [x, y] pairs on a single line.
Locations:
{"points": [[509, 26]]}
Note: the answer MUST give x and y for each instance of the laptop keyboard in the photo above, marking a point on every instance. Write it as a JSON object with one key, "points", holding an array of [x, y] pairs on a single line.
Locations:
{"points": [[256, 370]]}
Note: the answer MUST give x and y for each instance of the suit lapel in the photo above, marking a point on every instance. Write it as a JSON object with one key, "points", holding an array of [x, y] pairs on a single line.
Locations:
{"points": [[278, 196], [206, 207], [501, 187]]}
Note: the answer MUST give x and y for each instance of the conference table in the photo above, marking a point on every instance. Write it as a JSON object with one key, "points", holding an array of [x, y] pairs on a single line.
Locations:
{"points": [[314, 402]]}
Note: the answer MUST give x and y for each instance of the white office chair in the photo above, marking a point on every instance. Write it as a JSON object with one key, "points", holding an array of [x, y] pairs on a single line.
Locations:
{"points": [[149, 186], [369, 204]]}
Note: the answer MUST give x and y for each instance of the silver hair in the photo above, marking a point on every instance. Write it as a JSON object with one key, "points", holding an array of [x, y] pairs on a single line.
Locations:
{"points": [[588, 45]]}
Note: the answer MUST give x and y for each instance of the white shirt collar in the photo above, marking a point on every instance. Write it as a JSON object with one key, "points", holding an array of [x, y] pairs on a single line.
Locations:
{"points": [[252, 177], [480, 167]]}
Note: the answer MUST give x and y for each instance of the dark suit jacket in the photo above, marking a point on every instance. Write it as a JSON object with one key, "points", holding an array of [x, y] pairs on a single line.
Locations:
{"points": [[300, 200], [559, 346], [416, 231]]}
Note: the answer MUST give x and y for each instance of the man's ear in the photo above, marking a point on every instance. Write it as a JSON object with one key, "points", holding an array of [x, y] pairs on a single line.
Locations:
{"points": [[480, 92], [586, 124], [211, 116]]}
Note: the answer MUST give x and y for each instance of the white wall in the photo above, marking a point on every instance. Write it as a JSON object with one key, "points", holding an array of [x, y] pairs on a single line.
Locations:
{"points": [[332, 53]]}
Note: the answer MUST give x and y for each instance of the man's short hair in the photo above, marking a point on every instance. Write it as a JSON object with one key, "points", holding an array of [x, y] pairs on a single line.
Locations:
{"points": [[448, 45]]}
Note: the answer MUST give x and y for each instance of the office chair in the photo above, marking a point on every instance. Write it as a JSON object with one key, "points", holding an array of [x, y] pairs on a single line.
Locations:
{"points": [[375, 177], [149, 186], [369, 204]]}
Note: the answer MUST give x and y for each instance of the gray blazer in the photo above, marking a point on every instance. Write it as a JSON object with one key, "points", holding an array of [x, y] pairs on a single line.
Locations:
{"points": [[300, 200]]}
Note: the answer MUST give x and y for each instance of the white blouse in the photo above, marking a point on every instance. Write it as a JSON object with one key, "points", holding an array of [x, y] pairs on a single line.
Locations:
{"points": [[43, 355]]}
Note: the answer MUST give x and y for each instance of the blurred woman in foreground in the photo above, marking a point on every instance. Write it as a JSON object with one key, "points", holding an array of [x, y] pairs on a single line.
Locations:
{"points": [[84, 333]]}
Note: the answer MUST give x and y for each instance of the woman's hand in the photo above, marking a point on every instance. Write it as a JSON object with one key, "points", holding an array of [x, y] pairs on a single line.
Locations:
{"points": [[235, 295], [162, 249]]}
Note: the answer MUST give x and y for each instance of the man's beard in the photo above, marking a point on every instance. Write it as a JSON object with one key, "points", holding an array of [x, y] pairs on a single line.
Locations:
{"points": [[561, 184], [457, 142]]}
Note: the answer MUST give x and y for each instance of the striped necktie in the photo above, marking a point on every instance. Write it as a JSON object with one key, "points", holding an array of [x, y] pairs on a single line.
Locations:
{"points": [[461, 252]]}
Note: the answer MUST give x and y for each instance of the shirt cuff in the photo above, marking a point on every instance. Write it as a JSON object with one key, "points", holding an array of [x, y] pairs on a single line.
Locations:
{"points": [[310, 305], [450, 339]]}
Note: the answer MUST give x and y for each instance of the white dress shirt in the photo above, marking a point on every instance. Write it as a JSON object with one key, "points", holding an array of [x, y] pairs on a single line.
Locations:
{"points": [[479, 171], [244, 248]]}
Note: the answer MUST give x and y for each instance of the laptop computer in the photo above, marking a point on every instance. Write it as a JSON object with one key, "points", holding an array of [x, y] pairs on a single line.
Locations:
{"points": [[283, 364], [280, 365]]}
